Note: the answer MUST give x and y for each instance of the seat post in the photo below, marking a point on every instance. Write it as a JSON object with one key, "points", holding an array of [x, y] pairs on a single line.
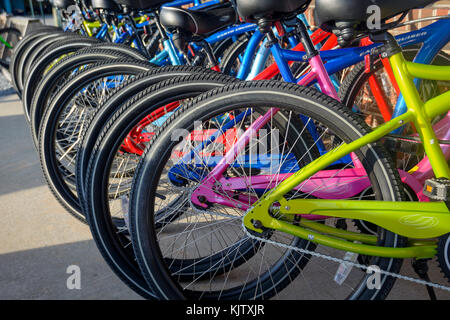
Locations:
{"points": [[159, 26], [391, 45], [212, 60], [316, 62], [308, 45]]}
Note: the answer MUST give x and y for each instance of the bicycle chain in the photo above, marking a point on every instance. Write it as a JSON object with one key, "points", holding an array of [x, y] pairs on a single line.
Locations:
{"points": [[323, 256], [338, 260]]}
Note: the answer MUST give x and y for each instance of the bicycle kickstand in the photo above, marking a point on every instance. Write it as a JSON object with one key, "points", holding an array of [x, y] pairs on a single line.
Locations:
{"points": [[420, 266]]}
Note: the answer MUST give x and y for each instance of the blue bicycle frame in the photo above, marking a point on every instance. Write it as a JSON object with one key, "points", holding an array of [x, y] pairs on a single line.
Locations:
{"points": [[231, 32]]}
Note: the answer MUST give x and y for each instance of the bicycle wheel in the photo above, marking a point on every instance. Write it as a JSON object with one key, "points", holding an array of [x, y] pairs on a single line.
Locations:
{"points": [[118, 98], [41, 68], [46, 61], [38, 47], [282, 263], [57, 76], [62, 123], [232, 56], [35, 53], [19, 50], [27, 45], [443, 255], [111, 166]]}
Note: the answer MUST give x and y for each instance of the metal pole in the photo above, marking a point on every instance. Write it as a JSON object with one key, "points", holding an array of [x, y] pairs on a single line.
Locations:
{"points": [[56, 17], [42, 11], [31, 7]]}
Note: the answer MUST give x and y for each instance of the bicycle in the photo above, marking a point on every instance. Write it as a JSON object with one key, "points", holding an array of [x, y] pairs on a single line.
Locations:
{"points": [[99, 231], [287, 204]]}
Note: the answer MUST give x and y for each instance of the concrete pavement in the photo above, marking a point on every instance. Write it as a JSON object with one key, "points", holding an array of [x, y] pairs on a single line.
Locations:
{"points": [[38, 238]]}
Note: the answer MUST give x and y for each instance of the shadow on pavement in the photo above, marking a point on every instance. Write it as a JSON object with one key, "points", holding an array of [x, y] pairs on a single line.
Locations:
{"points": [[41, 274]]}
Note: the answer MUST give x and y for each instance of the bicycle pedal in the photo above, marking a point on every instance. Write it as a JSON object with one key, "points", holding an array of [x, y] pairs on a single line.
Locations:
{"points": [[437, 189]]}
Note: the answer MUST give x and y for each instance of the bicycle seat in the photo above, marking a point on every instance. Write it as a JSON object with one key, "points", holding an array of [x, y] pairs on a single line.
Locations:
{"points": [[252, 10], [355, 12], [62, 4], [105, 4], [142, 4], [197, 22]]}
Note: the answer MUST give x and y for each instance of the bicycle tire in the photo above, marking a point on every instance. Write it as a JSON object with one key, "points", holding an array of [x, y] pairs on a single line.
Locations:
{"points": [[13, 38], [232, 53], [34, 54], [38, 47], [118, 254], [354, 81], [36, 73], [62, 190], [18, 54], [49, 56], [116, 99], [443, 255], [22, 44], [275, 94], [42, 93]]}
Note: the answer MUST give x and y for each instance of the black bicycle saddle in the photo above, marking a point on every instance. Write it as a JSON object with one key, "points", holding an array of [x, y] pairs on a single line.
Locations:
{"points": [[197, 22], [252, 10]]}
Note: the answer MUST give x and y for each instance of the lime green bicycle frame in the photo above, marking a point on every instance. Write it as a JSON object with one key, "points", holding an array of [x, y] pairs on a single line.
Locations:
{"points": [[90, 26], [429, 220]]}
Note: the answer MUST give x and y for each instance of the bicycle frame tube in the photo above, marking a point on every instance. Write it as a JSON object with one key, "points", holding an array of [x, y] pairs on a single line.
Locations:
{"points": [[199, 5], [87, 27], [435, 36], [172, 52], [259, 61], [423, 169], [261, 56], [355, 55], [337, 60], [160, 58], [252, 46], [179, 3], [404, 72], [230, 32], [102, 32]]}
